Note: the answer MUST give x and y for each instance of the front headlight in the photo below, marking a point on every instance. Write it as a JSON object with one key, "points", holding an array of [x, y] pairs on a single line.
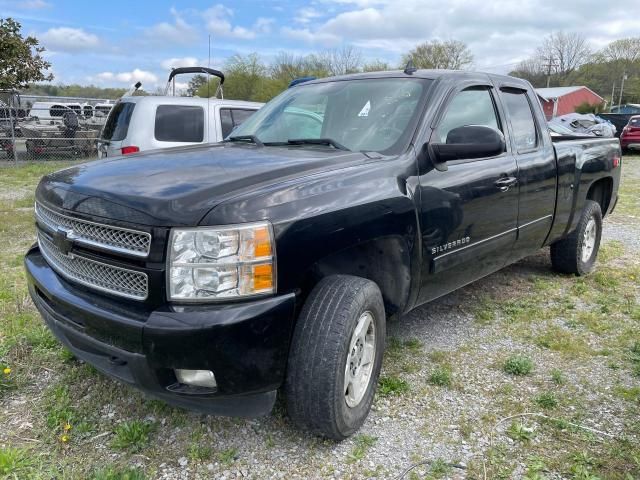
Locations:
{"points": [[209, 263]]}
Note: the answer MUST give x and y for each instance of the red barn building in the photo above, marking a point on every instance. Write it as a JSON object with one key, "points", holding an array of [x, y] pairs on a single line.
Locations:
{"points": [[562, 100]]}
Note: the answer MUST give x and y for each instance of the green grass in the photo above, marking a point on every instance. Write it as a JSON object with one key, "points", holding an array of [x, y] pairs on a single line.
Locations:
{"points": [[392, 385], [518, 365], [362, 445], [199, 452], [118, 473], [558, 377], [547, 400], [58, 408], [520, 432], [440, 376], [228, 456], [133, 435], [15, 462]]}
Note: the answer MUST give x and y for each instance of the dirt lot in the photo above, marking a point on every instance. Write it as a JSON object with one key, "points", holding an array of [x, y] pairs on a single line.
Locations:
{"points": [[524, 374]]}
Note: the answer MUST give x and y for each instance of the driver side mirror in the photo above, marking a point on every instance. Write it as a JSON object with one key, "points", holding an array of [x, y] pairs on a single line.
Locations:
{"points": [[467, 142]]}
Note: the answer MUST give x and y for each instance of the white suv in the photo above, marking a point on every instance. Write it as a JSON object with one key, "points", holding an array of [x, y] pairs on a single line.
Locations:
{"points": [[138, 123]]}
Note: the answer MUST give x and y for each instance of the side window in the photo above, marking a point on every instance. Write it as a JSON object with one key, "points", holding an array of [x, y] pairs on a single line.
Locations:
{"points": [[232, 118], [179, 123], [473, 106], [226, 121], [524, 126]]}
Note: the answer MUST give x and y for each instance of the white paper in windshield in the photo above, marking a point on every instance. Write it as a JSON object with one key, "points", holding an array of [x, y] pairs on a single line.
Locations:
{"points": [[365, 110]]}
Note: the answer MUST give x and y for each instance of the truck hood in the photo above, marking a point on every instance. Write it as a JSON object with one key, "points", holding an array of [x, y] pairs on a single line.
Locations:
{"points": [[178, 186]]}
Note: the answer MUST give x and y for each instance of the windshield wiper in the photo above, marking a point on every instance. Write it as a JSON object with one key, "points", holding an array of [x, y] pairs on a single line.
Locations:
{"points": [[246, 138], [317, 141]]}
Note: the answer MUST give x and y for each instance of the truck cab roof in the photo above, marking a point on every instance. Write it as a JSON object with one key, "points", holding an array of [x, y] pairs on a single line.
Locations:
{"points": [[196, 101], [431, 74]]}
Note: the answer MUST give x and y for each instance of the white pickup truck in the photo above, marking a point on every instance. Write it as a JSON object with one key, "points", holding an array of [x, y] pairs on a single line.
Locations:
{"points": [[139, 123]]}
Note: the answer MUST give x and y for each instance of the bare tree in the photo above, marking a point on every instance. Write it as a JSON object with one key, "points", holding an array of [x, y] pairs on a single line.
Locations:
{"points": [[626, 50], [340, 61], [286, 67], [452, 54], [532, 70], [564, 51], [375, 66]]}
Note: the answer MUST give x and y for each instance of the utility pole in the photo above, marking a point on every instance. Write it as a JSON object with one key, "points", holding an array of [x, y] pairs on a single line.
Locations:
{"points": [[613, 93], [549, 64], [624, 77]]}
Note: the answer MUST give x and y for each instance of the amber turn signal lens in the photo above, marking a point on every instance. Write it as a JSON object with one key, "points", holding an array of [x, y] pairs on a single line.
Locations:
{"points": [[262, 242], [262, 277]]}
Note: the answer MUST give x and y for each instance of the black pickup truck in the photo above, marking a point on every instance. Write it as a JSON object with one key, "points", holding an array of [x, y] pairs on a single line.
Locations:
{"points": [[213, 276]]}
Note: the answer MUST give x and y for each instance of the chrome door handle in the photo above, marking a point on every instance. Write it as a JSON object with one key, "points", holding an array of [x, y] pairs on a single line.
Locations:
{"points": [[505, 183]]}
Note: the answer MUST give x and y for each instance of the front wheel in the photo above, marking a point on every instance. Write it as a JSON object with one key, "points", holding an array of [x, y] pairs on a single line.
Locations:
{"points": [[335, 357], [577, 253]]}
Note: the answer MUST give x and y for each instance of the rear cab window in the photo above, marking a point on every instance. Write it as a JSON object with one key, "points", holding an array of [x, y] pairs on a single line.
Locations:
{"points": [[117, 124], [520, 114], [179, 123]]}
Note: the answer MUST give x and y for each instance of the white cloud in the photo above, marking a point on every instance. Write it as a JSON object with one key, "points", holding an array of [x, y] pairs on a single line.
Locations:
{"points": [[178, 31], [176, 62], [218, 20], [312, 37], [306, 15], [69, 39], [499, 32], [263, 25], [136, 75]]}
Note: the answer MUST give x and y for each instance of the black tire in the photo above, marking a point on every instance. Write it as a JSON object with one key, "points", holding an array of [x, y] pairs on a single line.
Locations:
{"points": [[566, 254], [315, 391]]}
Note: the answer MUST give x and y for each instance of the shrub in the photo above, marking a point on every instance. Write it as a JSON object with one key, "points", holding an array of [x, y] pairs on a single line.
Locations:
{"points": [[518, 365]]}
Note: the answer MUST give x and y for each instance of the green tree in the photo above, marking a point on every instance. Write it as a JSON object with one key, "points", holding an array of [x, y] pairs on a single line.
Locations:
{"points": [[21, 60], [245, 79], [452, 54], [195, 83]]}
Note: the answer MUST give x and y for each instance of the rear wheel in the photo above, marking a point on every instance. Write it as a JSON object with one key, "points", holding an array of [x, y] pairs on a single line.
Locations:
{"points": [[335, 357], [578, 252]]}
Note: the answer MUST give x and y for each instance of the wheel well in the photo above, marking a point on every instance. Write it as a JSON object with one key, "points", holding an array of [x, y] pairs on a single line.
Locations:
{"points": [[385, 261], [600, 191]]}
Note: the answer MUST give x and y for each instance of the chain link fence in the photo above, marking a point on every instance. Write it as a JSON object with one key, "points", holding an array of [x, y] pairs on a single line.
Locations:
{"points": [[50, 129]]}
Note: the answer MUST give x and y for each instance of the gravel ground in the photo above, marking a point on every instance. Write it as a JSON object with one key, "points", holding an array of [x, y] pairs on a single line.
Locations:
{"points": [[458, 424]]}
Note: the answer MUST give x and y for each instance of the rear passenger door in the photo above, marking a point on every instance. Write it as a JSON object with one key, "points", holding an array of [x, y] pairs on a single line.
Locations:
{"points": [[536, 171], [468, 213]]}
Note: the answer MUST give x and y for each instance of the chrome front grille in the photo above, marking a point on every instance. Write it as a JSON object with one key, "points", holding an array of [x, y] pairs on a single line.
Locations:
{"points": [[117, 239], [100, 276]]}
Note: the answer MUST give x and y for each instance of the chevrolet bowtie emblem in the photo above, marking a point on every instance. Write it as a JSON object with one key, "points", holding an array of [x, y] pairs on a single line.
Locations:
{"points": [[63, 239]]}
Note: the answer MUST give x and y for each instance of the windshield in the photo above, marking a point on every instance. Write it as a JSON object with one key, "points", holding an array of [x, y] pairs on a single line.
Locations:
{"points": [[376, 115]]}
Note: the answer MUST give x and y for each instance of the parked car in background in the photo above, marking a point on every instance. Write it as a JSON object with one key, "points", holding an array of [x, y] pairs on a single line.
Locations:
{"points": [[139, 123], [630, 138]]}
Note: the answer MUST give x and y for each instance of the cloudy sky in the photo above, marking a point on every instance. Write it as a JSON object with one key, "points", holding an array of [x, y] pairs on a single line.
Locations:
{"points": [[116, 43]]}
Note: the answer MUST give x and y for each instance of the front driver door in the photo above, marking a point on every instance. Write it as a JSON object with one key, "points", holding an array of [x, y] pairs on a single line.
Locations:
{"points": [[468, 212]]}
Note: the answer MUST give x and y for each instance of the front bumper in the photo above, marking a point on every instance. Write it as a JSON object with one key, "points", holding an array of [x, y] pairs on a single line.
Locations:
{"points": [[245, 344]]}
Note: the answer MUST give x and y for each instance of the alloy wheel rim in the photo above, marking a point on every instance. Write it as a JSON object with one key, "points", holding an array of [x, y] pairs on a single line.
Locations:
{"points": [[360, 359], [589, 240]]}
